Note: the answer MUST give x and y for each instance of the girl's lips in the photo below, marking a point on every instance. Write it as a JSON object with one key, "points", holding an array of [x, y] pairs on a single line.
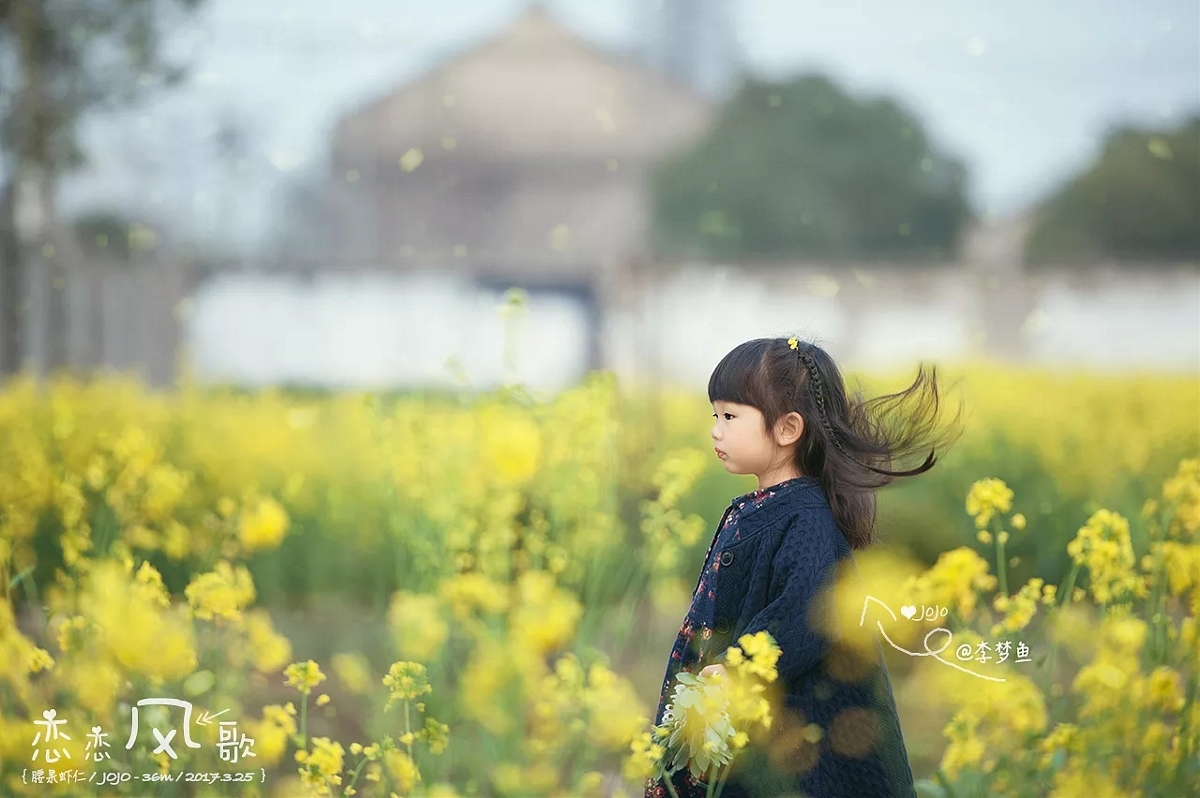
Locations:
{"points": [[720, 453]]}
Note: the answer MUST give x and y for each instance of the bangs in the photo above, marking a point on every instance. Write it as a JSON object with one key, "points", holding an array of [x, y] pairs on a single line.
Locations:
{"points": [[741, 376]]}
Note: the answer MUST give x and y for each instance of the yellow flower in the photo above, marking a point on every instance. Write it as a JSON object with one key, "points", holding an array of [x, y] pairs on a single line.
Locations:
{"points": [[304, 676], [1103, 546], [164, 488], [546, 617], [986, 498], [150, 585], [220, 593], [226, 506], [40, 660], [406, 681], [793, 343], [435, 734], [1060, 738], [73, 634], [272, 733], [322, 700], [510, 446], [644, 758], [1018, 521], [953, 582], [402, 769], [1020, 608], [269, 649], [1183, 490], [95, 683], [614, 708], [263, 526], [1165, 688], [416, 621], [757, 655], [177, 540], [133, 629], [1180, 561], [322, 767], [353, 671], [469, 592]]}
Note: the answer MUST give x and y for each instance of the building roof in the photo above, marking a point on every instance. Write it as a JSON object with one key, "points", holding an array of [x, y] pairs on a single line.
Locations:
{"points": [[534, 91]]}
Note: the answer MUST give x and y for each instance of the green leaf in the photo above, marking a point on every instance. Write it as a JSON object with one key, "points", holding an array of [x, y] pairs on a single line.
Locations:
{"points": [[199, 682], [16, 580], [927, 788]]}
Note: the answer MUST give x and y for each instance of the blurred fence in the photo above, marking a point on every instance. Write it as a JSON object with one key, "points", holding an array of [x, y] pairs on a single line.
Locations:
{"points": [[122, 316], [1117, 318], [660, 323]]}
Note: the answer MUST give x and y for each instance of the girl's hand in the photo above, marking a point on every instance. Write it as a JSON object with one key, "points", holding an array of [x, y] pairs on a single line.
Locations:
{"points": [[717, 669]]}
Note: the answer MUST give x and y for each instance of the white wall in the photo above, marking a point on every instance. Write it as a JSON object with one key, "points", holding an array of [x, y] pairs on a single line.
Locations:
{"points": [[376, 331], [1118, 321], [387, 330], [681, 322]]}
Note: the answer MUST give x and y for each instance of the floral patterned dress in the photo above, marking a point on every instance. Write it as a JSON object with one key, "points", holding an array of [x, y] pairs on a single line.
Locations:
{"points": [[690, 647]]}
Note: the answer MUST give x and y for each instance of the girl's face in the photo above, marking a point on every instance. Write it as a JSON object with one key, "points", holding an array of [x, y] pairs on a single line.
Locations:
{"points": [[744, 446]]}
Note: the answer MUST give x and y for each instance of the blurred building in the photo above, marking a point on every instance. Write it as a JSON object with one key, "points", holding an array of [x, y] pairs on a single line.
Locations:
{"points": [[695, 42], [523, 160]]}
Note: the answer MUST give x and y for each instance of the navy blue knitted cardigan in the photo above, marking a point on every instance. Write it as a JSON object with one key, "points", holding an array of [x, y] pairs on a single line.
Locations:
{"points": [[771, 578]]}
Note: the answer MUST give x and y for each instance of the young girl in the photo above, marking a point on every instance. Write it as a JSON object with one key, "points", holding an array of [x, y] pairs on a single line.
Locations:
{"points": [[783, 415]]}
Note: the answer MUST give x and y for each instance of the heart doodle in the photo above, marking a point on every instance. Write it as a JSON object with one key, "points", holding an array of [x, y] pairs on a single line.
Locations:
{"points": [[908, 611]]}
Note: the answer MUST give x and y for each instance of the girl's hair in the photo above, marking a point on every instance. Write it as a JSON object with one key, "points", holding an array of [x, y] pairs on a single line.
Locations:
{"points": [[849, 444]]}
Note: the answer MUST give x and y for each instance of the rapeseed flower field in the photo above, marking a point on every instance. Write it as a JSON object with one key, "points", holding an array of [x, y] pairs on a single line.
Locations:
{"points": [[211, 592]]}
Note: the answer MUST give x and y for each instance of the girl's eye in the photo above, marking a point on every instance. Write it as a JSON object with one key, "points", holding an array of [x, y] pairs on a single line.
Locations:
{"points": [[727, 415]]}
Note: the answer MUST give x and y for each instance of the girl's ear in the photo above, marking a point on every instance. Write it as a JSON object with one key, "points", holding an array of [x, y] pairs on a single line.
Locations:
{"points": [[789, 429]]}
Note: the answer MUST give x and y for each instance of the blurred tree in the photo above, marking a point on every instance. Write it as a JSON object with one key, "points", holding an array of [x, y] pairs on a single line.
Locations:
{"points": [[106, 233], [60, 59], [1140, 200], [801, 169], [231, 142]]}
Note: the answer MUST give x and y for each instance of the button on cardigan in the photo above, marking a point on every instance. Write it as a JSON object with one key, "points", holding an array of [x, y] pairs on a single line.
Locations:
{"points": [[774, 555]]}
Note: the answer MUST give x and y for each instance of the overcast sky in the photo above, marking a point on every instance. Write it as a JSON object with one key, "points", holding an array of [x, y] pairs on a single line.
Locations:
{"points": [[1022, 90]]}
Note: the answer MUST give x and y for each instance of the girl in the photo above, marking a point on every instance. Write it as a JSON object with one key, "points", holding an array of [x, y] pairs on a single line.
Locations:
{"points": [[783, 415]]}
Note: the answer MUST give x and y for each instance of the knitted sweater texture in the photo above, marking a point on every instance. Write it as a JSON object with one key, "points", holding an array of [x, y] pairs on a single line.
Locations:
{"points": [[773, 559]]}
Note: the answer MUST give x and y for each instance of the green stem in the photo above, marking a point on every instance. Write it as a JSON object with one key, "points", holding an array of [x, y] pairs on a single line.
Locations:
{"points": [[1061, 603], [941, 778], [670, 787], [1001, 563], [721, 782], [408, 733], [1158, 609], [1187, 735], [304, 722], [354, 776]]}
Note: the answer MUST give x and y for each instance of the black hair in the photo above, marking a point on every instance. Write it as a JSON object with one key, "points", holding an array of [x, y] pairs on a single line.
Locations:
{"points": [[849, 443]]}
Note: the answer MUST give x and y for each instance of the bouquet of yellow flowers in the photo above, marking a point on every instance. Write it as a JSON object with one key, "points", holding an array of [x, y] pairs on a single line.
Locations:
{"points": [[711, 717]]}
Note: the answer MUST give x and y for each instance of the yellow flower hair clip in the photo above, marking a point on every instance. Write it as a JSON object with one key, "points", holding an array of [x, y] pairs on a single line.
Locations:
{"points": [[793, 343]]}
